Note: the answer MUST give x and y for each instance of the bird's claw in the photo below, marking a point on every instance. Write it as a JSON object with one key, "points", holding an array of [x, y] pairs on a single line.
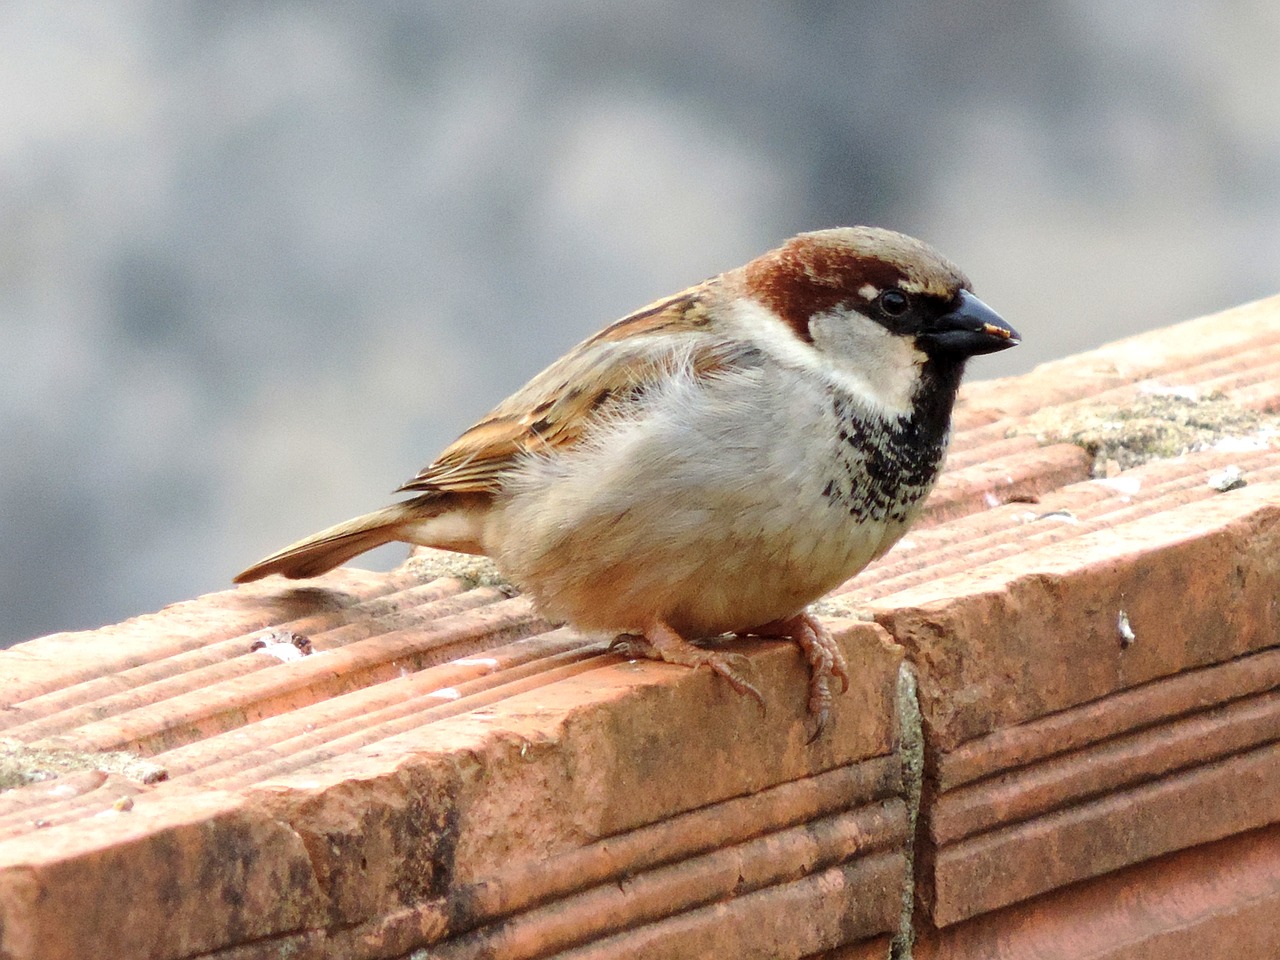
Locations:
{"points": [[825, 658], [666, 645]]}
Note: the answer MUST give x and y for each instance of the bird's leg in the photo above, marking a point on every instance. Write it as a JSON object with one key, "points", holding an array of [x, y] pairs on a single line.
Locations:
{"points": [[661, 642], [826, 661]]}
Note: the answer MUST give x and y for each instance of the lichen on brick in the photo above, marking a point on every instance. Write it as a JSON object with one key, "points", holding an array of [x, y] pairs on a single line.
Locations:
{"points": [[840, 606], [1158, 424], [21, 765], [474, 571], [911, 747]]}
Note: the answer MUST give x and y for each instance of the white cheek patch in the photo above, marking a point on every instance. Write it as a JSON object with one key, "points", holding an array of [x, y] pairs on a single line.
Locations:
{"points": [[849, 350], [882, 367]]}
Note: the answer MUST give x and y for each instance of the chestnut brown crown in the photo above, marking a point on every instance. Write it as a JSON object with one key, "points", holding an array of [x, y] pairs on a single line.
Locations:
{"points": [[896, 280]]}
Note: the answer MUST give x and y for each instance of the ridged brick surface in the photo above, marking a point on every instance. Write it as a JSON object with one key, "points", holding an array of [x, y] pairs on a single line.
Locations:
{"points": [[405, 785], [367, 764], [1220, 900]]}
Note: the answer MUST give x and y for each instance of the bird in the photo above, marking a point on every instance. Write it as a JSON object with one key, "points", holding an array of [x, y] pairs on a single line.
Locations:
{"points": [[714, 462]]}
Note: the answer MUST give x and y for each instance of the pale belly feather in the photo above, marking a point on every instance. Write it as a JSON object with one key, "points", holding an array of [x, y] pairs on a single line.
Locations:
{"points": [[713, 512]]}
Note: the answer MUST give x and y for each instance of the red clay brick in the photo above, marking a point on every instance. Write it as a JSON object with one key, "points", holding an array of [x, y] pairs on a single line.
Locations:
{"points": [[469, 799], [874, 783], [876, 948], [274, 688], [51, 663], [1024, 475], [1221, 900], [816, 912], [1134, 709], [70, 797], [168, 878], [279, 744], [1209, 802], [193, 667], [467, 802], [528, 903], [601, 738], [758, 870], [1016, 639], [1021, 794]]}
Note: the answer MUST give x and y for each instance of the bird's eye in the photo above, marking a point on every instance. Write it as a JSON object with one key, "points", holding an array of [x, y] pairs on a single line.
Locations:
{"points": [[894, 303]]}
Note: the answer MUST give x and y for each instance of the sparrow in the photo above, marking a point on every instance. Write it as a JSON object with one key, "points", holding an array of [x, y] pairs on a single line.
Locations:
{"points": [[714, 462]]}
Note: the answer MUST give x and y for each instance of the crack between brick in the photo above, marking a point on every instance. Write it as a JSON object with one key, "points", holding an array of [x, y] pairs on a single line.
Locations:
{"points": [[911, 723]]}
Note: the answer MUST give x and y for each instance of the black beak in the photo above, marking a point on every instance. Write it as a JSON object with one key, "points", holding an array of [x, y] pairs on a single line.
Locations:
{"points": [[972, 328]]}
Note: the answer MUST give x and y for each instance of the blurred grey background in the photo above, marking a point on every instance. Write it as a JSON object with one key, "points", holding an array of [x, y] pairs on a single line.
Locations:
{"points": [[260, 261]]}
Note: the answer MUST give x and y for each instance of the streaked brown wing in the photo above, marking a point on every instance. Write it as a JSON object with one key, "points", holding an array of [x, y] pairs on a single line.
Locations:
{"points": [[555, 409]]}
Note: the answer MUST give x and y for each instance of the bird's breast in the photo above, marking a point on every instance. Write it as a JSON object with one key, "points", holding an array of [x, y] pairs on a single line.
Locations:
{"points": [[880, 468], [728, 504]]}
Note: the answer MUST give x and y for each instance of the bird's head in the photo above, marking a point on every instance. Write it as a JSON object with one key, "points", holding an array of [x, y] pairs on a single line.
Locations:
{"points": [[877, 306]]}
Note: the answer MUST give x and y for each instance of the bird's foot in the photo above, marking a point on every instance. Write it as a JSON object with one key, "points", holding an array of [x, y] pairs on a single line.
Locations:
{"points": [[660, 642], [826, 661]]}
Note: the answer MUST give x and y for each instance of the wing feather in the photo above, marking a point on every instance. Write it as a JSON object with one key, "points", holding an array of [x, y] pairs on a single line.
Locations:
{"points": [[557, 408]]}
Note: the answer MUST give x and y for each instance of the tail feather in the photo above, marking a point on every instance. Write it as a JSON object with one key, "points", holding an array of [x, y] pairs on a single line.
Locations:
{"points": [[327, 549]]}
